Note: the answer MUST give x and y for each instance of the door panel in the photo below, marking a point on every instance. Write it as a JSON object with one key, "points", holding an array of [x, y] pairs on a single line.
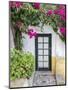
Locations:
{"points": [[46, 52], [40, 58], [40, 52], [46, 58], [40, 45], [43, 51], [40, 64], [46, 64], [46, 46], [40, 39], [46, 39]]}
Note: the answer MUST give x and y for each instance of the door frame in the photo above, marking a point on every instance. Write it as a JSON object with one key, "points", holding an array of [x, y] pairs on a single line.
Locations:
{"points": [[50, 52]]}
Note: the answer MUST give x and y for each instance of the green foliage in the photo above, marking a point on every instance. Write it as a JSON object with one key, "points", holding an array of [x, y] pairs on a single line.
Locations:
{"points": [[28, 15], [21, 64], [49, 6]]}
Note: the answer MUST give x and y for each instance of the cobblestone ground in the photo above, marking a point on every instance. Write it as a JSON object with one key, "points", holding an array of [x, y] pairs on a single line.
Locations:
{"points": [[39, 78], [42, 78], [60, 80]]}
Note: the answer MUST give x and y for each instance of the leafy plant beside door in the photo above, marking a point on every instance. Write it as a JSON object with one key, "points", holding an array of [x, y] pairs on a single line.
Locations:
{"points": [[21, 64]]}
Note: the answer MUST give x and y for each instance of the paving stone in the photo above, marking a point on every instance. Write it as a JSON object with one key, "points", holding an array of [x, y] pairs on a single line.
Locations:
{"points": [[60, 80], [43, 78]]}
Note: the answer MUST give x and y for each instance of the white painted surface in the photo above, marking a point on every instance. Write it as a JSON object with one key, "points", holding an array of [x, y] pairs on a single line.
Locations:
{"points": [[58, 47], [11, 39]]}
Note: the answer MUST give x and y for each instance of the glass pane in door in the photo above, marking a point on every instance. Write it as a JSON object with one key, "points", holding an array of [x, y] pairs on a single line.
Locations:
{"points": [[40, 45], [40, 39], [46, 65], [40, 52], [46, 52], [46, 39], [46, 58], [46, 46], [40, 65], [40, 58]]}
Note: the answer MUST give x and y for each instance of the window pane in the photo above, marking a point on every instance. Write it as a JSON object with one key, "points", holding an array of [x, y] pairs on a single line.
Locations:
{"points": [[40, 64], [46, 58], [46, 46], [40, 58], [45, 52], [40, 52], [40, 39], [46, 64], [40, 45], [46, 39]]}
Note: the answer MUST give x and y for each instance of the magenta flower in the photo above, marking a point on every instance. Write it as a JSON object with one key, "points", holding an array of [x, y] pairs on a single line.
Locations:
{"points": [[56, 11], [14, 4], [62, 6], [31, 33], [50, 12], [36, 5], [18, 4], [62, 30], [62, 12], [62, 17]]}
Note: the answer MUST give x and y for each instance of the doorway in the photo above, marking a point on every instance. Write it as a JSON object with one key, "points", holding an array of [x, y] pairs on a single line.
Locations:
{"points": [[43, 48]]}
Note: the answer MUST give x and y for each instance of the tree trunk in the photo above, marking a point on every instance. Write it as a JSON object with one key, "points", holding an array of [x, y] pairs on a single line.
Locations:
{"points": [[17, 38]]}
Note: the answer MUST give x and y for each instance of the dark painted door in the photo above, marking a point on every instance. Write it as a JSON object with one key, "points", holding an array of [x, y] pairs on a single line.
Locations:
{"points": [[43, 51]]}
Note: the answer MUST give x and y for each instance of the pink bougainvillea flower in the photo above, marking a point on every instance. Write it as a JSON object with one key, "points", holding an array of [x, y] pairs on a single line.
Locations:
{"points": [[31, 33], [56, 11], [50, 12], [62, 30], [62, 17], [62, 12], [62, 6], [18, 4], [14, 4], [36, 5]]}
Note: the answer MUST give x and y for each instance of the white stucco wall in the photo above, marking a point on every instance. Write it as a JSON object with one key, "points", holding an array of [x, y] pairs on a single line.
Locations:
{"points": [[58, 47], [11, 39]]}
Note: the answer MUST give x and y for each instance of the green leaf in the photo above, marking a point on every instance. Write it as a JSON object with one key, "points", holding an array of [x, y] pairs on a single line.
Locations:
{"points": [[21, 64]]}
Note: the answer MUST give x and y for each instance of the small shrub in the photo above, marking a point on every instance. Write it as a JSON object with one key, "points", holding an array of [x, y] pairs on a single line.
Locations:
{"points": [[21, 64]]}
